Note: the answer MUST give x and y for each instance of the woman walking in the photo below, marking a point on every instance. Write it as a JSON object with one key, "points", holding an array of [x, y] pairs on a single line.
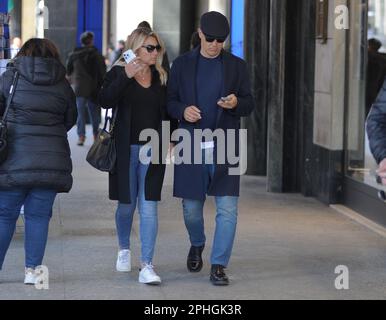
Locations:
{"points": [[38, 165], [137, 91]]}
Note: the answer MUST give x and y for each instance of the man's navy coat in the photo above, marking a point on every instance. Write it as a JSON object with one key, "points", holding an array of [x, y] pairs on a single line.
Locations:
{"points": [[189, 178], [376, 126]]}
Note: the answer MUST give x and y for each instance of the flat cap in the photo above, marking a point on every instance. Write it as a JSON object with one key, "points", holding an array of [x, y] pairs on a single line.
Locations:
{"points": [[215, 24]]}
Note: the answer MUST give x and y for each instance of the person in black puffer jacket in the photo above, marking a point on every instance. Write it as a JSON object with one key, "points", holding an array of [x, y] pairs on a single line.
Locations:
{"points": [[38, 165]]}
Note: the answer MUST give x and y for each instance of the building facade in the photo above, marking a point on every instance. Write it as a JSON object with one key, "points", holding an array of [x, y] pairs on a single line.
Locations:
{"points": [[314, 82]]}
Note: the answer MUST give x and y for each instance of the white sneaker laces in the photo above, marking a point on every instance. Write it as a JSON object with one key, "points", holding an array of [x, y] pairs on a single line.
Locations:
{"points": [[124, 256], [149, 267], [29, 271]]}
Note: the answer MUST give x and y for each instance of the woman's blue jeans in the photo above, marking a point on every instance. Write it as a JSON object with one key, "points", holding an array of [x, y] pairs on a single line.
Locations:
{"points": [[148, 217], [37, 212]]}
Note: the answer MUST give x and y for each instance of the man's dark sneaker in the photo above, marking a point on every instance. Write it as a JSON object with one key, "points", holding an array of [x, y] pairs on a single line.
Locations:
{"points": [[218, 276], [194, 262]]}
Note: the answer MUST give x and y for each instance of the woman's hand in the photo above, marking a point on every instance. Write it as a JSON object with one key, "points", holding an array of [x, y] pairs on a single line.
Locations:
{"points": [[133, 67]]}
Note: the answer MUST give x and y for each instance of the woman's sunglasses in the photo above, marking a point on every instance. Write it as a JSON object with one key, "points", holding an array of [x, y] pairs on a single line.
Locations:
{"points": [[211, 39], [150, 48]]}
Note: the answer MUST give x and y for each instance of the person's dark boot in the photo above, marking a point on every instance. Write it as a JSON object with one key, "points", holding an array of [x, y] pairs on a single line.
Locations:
{"points": [[81, 140], [218, 276], [194, 261]]}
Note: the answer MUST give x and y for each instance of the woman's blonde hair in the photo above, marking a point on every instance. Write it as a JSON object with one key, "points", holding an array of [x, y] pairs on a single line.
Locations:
{"points": [[136, 40]]}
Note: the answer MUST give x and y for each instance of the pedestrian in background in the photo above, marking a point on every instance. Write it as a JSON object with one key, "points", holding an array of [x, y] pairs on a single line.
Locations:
{"points": [[86, 69]]}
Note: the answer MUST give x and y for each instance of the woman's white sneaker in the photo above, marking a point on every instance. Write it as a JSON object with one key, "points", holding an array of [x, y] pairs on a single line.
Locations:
{"points": [[147, 275], [124, 261], [30, 276]]}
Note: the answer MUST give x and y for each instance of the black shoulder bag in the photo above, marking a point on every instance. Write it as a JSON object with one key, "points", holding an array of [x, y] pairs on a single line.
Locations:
{"points": [[3, 121], [103, 155]]}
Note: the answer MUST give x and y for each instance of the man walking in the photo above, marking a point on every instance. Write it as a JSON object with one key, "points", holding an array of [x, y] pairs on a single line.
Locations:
{"points": [[86, 69], [209, 88]]}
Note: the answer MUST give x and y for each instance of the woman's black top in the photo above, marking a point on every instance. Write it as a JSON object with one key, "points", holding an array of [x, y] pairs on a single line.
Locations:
{"points": [[146, 112]]}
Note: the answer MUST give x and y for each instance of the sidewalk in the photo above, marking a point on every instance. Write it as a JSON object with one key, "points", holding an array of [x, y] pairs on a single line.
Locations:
{"points": [[287, 247]]}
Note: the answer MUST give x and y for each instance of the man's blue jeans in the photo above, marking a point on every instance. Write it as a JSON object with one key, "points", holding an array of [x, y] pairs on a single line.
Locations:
{"points": [[148, 217], [83, 104], [37, 212], [226, 220]]}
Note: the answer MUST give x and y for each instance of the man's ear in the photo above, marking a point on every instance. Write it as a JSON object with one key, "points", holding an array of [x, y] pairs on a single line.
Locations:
{"points": [[200, 34]]}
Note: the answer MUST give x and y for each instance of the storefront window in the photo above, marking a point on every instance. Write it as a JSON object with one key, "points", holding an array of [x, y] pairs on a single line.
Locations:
{"points": [[366, 73]]}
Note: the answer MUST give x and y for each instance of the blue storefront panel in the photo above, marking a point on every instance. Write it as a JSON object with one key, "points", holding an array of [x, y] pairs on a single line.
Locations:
{"points": [[237, 28], [90, 18]]}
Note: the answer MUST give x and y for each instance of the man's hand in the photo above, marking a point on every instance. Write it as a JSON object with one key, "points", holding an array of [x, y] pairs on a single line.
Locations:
{"points": [[192, 114], [382, 171], [229, 103]]}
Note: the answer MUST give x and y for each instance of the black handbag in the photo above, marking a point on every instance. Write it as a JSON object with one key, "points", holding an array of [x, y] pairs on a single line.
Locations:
{"points": [[103, 154], [3, 121]]}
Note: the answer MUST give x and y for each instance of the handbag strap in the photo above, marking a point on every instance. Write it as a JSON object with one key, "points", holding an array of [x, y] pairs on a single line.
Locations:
{"points": [[115, 112], [12, 90], [111, 119]]}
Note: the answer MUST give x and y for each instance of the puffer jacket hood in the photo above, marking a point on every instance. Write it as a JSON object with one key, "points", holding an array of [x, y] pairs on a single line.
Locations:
{"points": [[40, 71], [43, 109]]}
